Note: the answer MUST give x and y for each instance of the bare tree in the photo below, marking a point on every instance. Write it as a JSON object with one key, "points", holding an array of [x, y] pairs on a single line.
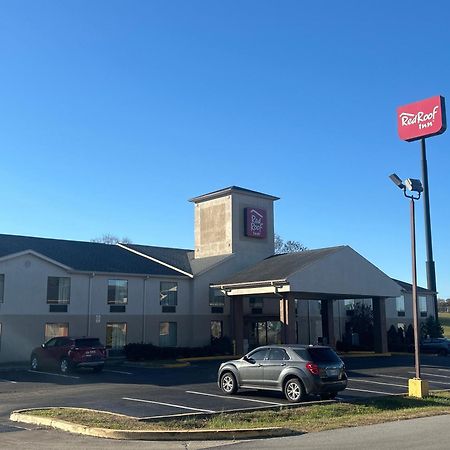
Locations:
{"points": [[108, 238], [282, 246]]}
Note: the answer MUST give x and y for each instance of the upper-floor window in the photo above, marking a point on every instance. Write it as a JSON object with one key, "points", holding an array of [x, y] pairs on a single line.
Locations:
{"points": [[117, 292], [58, 290], [2, 287], [216, 297], [256, 302], [423, 306], [168, 293], [400, 305]]}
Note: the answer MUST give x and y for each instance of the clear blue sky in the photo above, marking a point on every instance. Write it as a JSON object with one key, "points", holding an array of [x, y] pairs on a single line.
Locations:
{"points": [[114, 113]]}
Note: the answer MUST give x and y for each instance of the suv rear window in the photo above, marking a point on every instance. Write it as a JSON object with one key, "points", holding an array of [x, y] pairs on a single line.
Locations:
{"points": [[87, 343], [318, 354], [323, 355]]}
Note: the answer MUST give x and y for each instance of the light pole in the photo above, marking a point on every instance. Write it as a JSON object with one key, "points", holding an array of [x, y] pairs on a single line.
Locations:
{"points": [[416, 386]]}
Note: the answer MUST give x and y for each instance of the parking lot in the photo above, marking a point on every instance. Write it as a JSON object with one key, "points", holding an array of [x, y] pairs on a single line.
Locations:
{"points": [[154, 392]]}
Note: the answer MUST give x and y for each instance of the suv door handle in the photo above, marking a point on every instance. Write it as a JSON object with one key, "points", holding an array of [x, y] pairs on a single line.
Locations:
{"points": [[283, 364]]}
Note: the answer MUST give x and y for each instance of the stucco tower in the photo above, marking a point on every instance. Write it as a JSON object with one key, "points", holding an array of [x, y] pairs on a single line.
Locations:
{"points": [[234, 221]]}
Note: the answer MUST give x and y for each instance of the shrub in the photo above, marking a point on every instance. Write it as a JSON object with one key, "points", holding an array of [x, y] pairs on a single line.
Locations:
{"points": [[141, 352]]}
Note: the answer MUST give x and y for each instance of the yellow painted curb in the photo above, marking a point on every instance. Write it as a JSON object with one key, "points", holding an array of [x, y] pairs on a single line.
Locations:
{"points": [[26, 416]]}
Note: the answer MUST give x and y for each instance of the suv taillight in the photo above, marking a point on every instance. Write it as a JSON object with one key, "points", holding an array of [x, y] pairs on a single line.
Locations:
{"points": [[313, 368]]}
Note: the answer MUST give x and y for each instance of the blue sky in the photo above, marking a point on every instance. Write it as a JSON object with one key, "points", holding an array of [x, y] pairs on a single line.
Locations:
{"points": [[114, 113]]}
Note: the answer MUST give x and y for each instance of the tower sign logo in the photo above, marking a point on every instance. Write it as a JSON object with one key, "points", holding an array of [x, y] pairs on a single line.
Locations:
{"points": [[255, 222], [421, 119]]}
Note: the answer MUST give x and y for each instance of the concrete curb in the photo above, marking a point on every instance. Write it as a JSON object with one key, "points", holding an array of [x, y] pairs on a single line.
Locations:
{"points": [[26, 416]]}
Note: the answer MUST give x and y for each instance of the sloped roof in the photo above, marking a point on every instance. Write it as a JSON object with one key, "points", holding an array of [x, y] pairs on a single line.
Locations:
{"points": [[229, 190], [84, 256], [408, 287], [279, 267], [176, 257]]}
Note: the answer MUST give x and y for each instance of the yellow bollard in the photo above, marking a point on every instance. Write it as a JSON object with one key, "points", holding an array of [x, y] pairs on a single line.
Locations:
{"points": [[418, 388]]}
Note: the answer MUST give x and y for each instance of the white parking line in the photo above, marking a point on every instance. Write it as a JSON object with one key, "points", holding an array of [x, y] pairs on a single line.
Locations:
{"points": [[371, 392], [54, 374], [167, 404], [406, 378], [235, 398], [433, 375], [8, 381], [118, 371], [377, 382]]}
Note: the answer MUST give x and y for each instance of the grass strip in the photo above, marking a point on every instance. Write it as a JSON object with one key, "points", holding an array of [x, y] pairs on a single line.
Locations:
{"points": [[317, 417]]}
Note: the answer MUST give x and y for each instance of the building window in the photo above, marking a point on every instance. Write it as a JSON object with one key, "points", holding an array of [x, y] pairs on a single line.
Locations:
{"points": [[423, 306], [349, 307], [256, 302], [55, 330], [117, 292], [216, 329], [116, 335], [167, 334], [168, 293], [58, 290], [216, 297], [400, 305], [2, 287]]}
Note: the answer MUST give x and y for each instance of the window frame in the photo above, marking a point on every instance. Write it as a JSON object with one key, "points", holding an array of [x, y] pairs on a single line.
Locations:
{"points": [[172, 300], [111, 326], [60, 325], [400, 305], [115, 301], [220, 323], [58, 301], [214, 296], [172, 326]]}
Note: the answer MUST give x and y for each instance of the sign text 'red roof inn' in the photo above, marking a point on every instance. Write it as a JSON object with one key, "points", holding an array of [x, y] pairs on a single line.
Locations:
{"points": [[421, 119]]}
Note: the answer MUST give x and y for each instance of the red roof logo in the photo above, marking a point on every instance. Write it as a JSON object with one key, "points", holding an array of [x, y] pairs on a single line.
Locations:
{"points": [[421, 119]]}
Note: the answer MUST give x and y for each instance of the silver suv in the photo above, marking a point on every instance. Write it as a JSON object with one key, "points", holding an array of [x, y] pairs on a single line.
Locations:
{"points": [[296, 370]]}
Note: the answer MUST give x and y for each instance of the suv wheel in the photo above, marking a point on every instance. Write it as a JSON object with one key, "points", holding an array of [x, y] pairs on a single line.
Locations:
{"points": [[294, 390], [228, 383], [34, 362], [64, 366]]}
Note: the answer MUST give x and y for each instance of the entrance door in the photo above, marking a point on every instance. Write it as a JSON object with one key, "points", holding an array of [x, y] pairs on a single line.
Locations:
{"points": [[266, 332]]}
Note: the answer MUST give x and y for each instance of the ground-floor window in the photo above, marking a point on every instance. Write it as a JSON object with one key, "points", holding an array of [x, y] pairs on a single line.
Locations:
{"points": [[116, 335], [216, 329], [423, 306], [167, 334], [55, 329], [264, 333]]}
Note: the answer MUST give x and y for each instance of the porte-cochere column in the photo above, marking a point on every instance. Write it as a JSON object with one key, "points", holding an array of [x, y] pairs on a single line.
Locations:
{"points": [[379, 324], [237, 323]]}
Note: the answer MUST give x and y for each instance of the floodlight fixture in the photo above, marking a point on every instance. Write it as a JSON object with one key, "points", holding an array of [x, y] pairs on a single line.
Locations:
{"points": [[414, 185], [397, 181]]}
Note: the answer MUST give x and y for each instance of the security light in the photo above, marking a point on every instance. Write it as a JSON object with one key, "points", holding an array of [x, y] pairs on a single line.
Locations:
{"points": [[414, 185], [397, 181]]}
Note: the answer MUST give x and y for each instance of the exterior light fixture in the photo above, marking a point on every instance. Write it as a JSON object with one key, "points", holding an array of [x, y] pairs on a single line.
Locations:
{"points": [[416, 386]]}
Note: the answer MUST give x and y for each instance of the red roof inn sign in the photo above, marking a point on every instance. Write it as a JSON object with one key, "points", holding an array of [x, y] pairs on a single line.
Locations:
{"points": [[421, 119]]}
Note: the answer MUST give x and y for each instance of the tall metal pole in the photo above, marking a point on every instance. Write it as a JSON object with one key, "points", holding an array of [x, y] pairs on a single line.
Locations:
{"points": [[414, 291], [431, 272]]}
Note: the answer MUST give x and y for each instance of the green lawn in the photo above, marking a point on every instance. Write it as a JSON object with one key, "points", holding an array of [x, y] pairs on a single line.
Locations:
{"points": [[309, 418], [444, 318]]}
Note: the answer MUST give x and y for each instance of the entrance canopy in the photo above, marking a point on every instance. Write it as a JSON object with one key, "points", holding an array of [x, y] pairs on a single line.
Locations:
{"points": [[327, 273]]}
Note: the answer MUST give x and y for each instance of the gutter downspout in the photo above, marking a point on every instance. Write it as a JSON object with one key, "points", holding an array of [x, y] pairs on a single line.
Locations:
{"points": [[88, 328], [143, 309]]}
